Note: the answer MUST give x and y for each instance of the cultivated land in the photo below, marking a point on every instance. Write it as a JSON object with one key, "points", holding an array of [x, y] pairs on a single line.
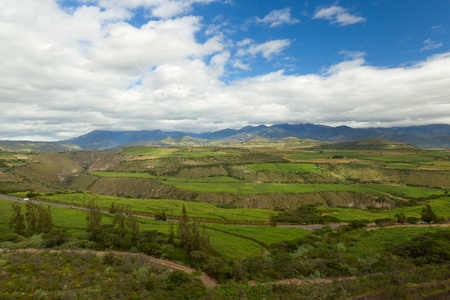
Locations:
{"points": [[236, 194]]}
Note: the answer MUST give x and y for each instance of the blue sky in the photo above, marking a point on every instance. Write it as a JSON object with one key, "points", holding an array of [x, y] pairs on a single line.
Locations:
{"points": [[70, 67]]}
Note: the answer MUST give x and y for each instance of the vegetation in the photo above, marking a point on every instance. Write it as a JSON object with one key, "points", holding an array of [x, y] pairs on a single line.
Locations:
{"points": [[212, 208]]}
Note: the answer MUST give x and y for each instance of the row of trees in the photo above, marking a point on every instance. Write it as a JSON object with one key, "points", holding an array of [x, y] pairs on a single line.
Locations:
{"points": [[35, 219]]}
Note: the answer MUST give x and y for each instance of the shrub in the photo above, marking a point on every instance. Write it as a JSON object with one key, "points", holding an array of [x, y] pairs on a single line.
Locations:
{"points": [[358, 223], [428, 214], [385, 221], [412, 220], [55, 238]]}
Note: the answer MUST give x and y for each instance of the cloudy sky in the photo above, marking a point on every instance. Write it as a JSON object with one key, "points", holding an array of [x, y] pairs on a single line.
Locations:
{"points": [[68, 67]]}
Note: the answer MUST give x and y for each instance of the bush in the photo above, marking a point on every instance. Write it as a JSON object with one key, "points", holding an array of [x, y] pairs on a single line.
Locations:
{"points": [[55, 238], [358, 223], [441, 220], [412, 220], [385, 221]]}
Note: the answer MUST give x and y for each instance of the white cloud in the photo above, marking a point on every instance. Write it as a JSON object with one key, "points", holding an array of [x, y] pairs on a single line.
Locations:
{"points": [[278, 17], [430, 45], [267, 50], [158, 8], [338, 14], [65, 73]]}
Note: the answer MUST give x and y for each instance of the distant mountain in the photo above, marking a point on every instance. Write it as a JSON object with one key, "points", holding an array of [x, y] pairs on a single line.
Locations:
{"points": [[108, 139], [100, 139], [436, 129], [27, 146]]}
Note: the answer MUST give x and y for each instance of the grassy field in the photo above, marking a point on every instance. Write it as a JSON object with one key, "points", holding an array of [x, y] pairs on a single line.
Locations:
{"points": [[196, 210], [375, 241], [159, 152], [265, 235], [441, 207], [286, 168], [405, 191], [232, 185], [229, 241]]}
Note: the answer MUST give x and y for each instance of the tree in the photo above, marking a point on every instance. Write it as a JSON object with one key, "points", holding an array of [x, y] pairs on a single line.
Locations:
{"points": [[112, 210], [191, 238], [17, 219], [171, 239], [94, 218], [31, 216], [401, 218], [428, 214], [44, 222], [184, 230]]}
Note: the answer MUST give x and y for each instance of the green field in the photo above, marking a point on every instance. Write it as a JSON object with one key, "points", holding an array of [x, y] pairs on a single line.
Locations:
{"points": [[286, 168], [440, 206], [196, 210], [232, 185], [229, 241]]}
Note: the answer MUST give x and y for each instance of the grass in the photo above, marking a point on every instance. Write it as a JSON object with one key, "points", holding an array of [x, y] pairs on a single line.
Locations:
{"points": [[231, 246], [265, 235], [441, 207], [231, 185], [196, 210], [376, 241], [405, 191], [225, 243], [286, 168]]}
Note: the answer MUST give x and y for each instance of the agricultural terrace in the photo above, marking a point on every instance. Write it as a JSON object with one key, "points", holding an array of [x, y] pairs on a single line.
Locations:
{"points": [[161, 152], [172, 208], [232, 185]]}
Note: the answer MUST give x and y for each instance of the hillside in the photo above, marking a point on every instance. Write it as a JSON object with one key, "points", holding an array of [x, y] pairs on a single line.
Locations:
{"points": [[421, 137], [27, 146], [368, 144]]}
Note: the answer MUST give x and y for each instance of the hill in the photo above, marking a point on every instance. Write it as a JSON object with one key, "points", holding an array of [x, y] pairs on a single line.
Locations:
{"points": [[27, 146], [98, 140], [367, 144]]}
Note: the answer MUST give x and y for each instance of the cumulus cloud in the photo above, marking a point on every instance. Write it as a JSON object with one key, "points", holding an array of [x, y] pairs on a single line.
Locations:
{"points": [[267, 50], [339, 15], [278, 17], [158, 8], [65, 73]]}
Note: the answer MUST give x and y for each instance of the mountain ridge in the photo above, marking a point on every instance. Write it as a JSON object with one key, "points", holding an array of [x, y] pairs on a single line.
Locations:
{"points": [[101, 139]]}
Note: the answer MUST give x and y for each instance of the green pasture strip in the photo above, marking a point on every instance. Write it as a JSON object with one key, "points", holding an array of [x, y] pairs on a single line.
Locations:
{"points": [[286, 168], [375, 242], [196, 210], [441, 207], [399, 159], [265, 235], [139, 150], [402, 166], [123, 175], [231, 246], [307, 155], [437, 164], [164, 179], [439, 154], [404, 191], [188, 153], [259, 188]]}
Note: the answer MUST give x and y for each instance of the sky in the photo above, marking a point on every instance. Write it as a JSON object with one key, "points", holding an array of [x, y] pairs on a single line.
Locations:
{"points": [[68, 67]]}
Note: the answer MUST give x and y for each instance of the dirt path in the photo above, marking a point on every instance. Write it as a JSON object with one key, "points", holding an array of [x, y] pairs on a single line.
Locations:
{"points": [[205, 279]]}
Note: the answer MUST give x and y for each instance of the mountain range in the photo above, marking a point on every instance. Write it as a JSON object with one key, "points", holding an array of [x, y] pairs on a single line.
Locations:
{"points": [[435, 136]]}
